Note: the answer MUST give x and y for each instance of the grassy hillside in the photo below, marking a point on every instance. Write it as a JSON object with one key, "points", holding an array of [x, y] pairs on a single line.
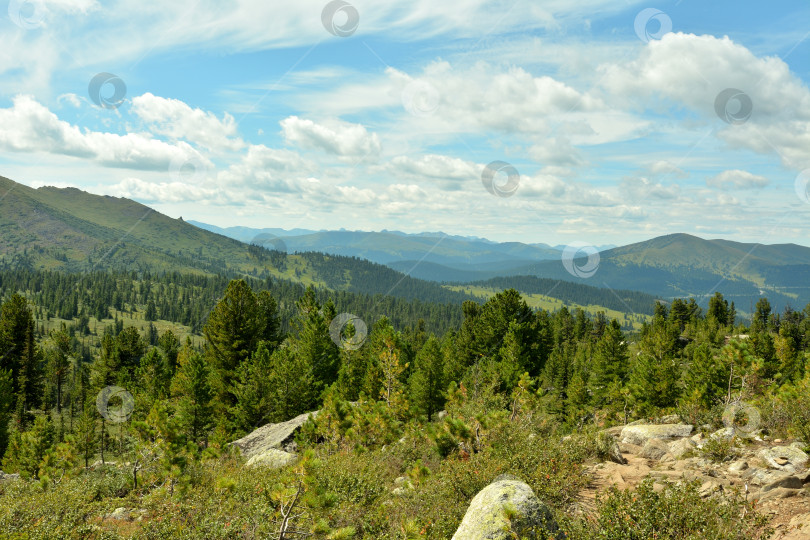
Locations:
{"points": [[68, 229]]}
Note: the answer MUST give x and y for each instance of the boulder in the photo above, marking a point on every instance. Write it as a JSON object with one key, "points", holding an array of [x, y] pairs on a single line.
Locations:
{"points": [[738, 466], [724, 434], [119, 514], [641, 433], [670, 419], [272, 458], [785, 481], [654, 449], [614, 454], [762, 477], [681, 447], [487, 517], [777, 493], [784, 458], [270, 436], [8, 477]]}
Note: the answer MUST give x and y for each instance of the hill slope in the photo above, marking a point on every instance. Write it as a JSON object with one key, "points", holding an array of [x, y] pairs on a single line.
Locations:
{"points": [[70, 230], [681, 265]]}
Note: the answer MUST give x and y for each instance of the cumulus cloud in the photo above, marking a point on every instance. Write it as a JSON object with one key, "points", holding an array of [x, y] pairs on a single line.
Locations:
{"points": [[685, 71], [28, 126], [435, 166], [176, 119], [343, 139], [737, 179], [639, 188]]}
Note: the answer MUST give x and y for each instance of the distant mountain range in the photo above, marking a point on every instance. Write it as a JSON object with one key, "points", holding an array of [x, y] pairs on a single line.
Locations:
{"points": [[70, 230], [675, 265], [397, 249]]}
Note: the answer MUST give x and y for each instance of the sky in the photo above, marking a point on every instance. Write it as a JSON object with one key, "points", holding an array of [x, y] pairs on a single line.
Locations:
{"points": [[596, 121]]}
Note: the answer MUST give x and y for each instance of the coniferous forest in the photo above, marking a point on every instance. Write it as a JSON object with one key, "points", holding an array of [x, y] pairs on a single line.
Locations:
{"points": [[101, 410]]}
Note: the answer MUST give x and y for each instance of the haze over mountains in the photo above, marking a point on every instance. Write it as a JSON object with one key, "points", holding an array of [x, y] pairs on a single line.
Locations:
{"points": [[52, 228], [675, 265]]}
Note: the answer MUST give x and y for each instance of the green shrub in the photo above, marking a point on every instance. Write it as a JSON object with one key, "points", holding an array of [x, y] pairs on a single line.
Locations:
{"points": [[719, 449], [676, 512]]}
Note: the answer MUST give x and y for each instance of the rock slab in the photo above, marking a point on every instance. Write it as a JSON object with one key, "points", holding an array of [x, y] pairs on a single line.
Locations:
{"points": [[641, 433], [265, 438]]}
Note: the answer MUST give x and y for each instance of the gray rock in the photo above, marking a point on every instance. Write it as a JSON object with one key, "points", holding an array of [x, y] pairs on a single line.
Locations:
{"points": [[681, 447], [441, 415], [119, 513], [738, 466], [762, 477], [777, 493], [654, 449], [784, 458], [614, 454], [8, 477], [641, 433], [724, 433], [670, 419], [486, 517], [786, 481], [270, 436], [272, 458]]}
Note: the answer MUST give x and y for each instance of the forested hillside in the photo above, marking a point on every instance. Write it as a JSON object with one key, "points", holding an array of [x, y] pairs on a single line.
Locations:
{"points": [[506, 376]]}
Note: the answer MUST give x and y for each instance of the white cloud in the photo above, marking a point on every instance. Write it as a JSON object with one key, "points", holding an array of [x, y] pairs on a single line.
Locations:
{"points": [[176, 119], [342, 139], [28, 126], [688, 71], [435, 166], [640, 188], [737, 179]]}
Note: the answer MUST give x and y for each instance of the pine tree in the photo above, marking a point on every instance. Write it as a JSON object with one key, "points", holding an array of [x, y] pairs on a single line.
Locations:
{"points": [[314, 342], [391, 369], [233, 331], [191, 385], [152, 378], [151, 311], [170, 346], [252, 391], [6, 407], [59, 364], [291, 382], [610, 363], [86, 435], [427, 382], [706, 377]]}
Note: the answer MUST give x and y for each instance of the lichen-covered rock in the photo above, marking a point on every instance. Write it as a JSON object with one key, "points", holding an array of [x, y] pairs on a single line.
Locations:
{"points": [[272, 458], [785, 481], [487, 517], [724, 434], [8, 477], [271, 436], [654, 449], [681, 447], [784, 458], [641, 433], [614, 453], [738, 466]]}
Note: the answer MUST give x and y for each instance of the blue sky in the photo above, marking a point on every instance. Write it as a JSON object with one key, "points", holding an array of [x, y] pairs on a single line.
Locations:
{"points": [[250, 113]]}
